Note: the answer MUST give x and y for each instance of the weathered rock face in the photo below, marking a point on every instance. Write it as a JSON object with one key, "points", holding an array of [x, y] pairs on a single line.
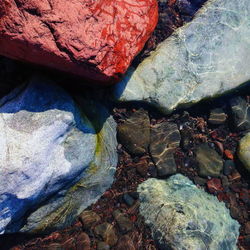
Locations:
{"points": [[50, 154], [93, 39], [182, 216], [244, 151], [205, 58]]}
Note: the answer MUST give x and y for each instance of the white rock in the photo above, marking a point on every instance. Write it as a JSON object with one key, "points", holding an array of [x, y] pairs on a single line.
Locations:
{"points": [[205, 58]]}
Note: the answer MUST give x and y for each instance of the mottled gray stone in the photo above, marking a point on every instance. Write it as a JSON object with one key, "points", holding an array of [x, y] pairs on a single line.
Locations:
{"points": [[164, 139], [205, 58], [182, 216], [53, 164], [244, 151], [240, 112]]}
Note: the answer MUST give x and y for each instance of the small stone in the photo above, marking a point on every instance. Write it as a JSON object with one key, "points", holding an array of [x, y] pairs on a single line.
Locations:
{"points": [[124, 223], [244, 151], [134, 133], [217, 116], [209, 161], [53, 246], [247, 227], [240, 113], [164, 139], [142, 167], [101, 245], [128, 199], [107, 232], [228, 167], [229, 154], [125, 243], [89, 218], [199, 181], [214, 185], [186, 138], [83, 242]]}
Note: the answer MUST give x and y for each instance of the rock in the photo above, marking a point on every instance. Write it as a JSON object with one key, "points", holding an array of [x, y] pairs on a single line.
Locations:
{"points": [[214, 185], [53, 163], [164, 139], [125, 243], [217, 116], [142, 167], [205, 58], [107, 232], [244, 151], [228, 167], [128, 199], [92, 39], [134, 133], [240, 111], [102, 246], [83, 242], [124, 223], [182, 216], [209, 161], [89, 218]]}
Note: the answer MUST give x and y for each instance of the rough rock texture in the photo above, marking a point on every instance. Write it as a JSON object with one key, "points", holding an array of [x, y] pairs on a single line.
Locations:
{"points": [[244, 151], [50, 154], [182, 216], [93, 39], [209, 161], [134, 133], [164, 139], [205, 58]]}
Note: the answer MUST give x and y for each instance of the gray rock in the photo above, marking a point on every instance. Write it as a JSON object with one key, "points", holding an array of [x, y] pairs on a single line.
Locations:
{"points": [[217, 116], [209, 161], [53, 164], [240, 114], [134, 133], [164, 139], [205, 58], [244, 151], [182, 216]]}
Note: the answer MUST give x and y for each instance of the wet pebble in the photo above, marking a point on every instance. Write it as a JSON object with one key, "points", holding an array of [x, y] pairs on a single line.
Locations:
{"points": [[228, 167], [217, 116], [125, 243], [101, 245], [83, 242], [89, 218], [128, 199], [124, 223]]}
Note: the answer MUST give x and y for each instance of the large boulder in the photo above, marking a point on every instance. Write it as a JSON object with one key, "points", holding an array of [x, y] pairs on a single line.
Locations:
{"points": [[94, 39], [182, 216], [53, 161], [204, 58]]}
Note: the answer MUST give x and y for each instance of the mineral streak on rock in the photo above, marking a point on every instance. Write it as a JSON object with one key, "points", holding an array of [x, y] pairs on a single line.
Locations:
{"points": [[204, 58], [89, 38], [182, 216]]}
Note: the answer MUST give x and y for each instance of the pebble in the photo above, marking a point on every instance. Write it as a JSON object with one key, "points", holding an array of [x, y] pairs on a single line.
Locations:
{"points": [[128, 199], [89, 218], [228, 167], [101, 245], [107, 232], [217, 116], [83, 242], [124, 223], [125, 243], [209, 161]]}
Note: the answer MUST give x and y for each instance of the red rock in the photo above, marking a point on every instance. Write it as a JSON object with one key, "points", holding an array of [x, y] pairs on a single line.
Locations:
{"points": [[94, 39], [214, 185], [228, 154]]}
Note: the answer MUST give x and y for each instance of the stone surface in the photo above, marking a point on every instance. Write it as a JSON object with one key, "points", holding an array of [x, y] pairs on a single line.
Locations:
{"points": [[217, 116], [205, 58], [134, 133], [83, 242], [164, 139], [182, 216], [89, 218], [240, 112], [244, 151], [125, 243], [209, 161], [50, 155], [107, 232], [94, 39], [124, 223]]}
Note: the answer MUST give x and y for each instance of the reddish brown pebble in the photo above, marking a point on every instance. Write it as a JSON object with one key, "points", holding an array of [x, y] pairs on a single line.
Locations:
{"points": [[83, 242], [96, 40], [125, 243], [228, 154], [214, 185]]}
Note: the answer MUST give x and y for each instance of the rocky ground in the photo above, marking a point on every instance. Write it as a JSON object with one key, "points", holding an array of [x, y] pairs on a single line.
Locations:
{"points": [[207, 134]]}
